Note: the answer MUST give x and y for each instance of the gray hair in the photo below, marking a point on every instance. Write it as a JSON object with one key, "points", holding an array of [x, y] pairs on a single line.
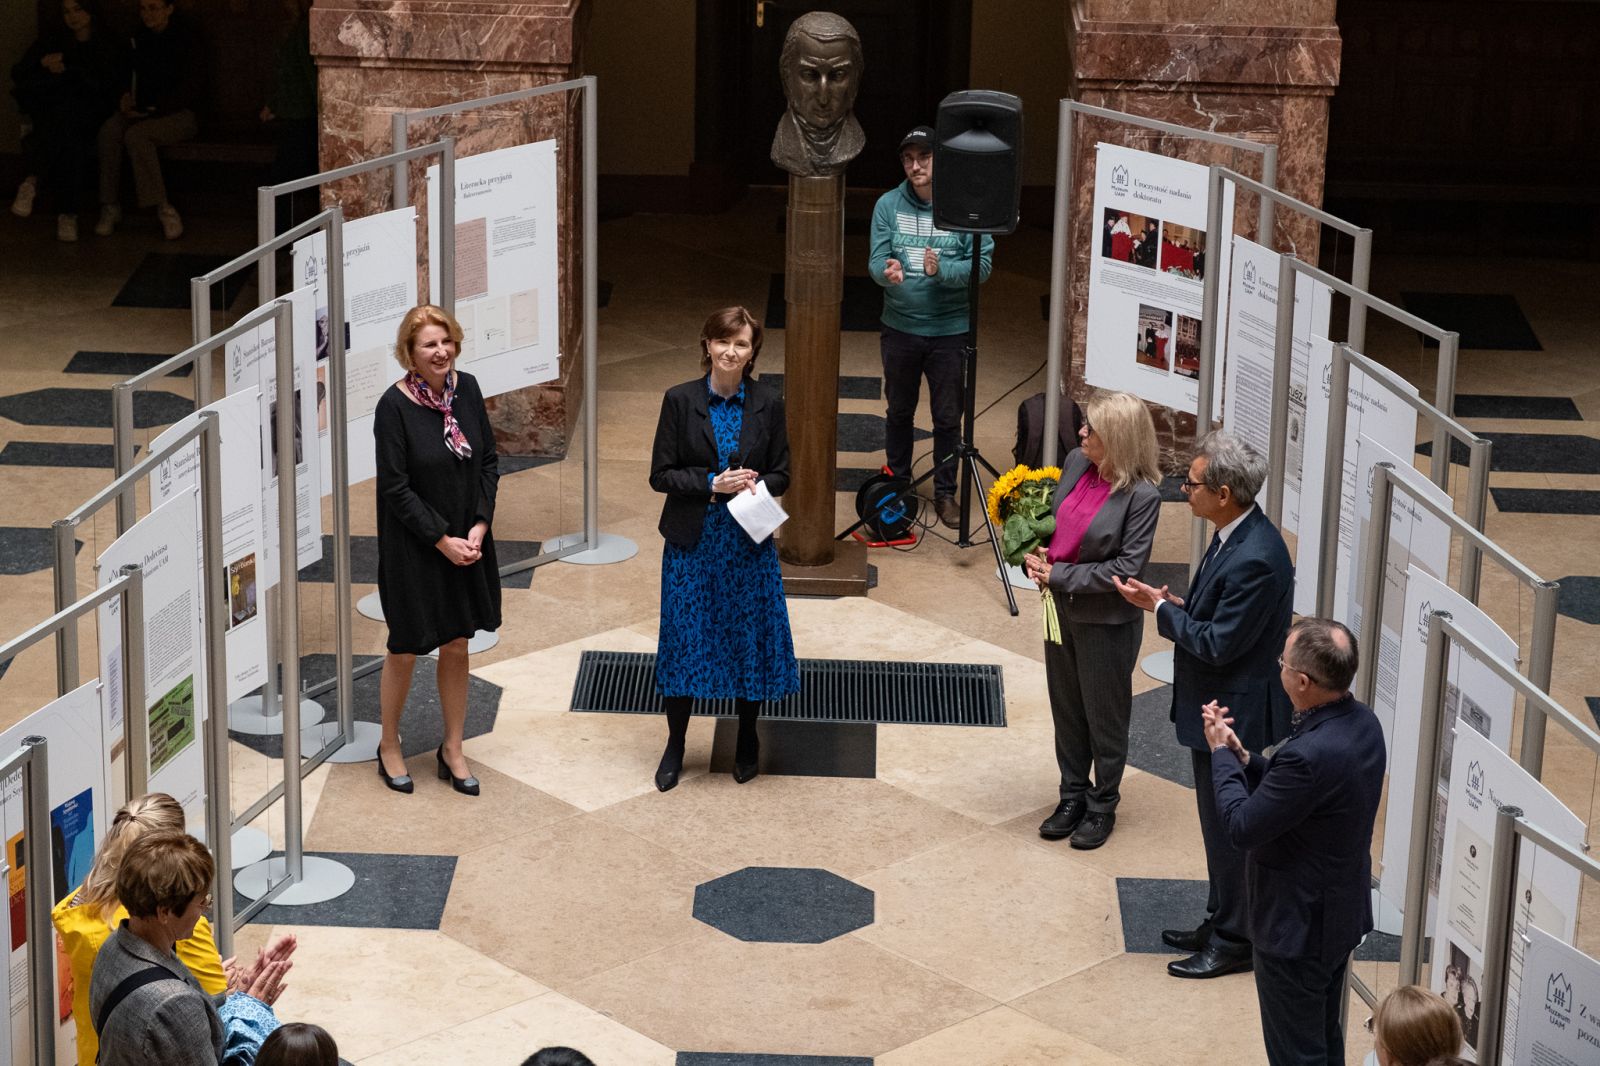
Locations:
{"points": [[1232, 462], [1325, 651]]}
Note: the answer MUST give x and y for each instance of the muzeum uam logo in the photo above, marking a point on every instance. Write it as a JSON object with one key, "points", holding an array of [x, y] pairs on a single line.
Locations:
{"points": [[1119, 178], [1250, 277]]}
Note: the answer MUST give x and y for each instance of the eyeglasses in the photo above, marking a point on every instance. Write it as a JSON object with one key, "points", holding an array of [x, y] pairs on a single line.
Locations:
{"points": [[1189, 486], [1088, 430], [1309, 677], [208, 901]]}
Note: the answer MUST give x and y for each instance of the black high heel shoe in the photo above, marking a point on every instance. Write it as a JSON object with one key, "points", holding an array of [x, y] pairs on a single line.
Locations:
{"points": [[746, 768], [671, 766], [467, 786], [399, 782]]}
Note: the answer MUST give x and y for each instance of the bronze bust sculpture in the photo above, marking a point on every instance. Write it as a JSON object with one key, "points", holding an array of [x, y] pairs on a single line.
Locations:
{"points": [[821, 71]]}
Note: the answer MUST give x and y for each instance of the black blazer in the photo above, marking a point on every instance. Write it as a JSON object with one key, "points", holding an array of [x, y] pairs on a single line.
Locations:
{"points": [[1116, 544], [685, 453], [1304, 819], [1227, 636]]}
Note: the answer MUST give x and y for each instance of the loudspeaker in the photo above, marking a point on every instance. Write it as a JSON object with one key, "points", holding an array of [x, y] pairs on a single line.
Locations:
{"points": [[977, 162]]}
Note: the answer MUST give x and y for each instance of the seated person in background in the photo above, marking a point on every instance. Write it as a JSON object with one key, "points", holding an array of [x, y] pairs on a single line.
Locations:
{"points": [[298, 1044], [157, 108], [66, 84], [1415, 1027], [92, 911], [147, 1007]]}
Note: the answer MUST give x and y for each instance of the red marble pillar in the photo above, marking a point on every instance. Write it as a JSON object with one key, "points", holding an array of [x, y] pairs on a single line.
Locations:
{"points": [[1259, 69], [377, 57]]}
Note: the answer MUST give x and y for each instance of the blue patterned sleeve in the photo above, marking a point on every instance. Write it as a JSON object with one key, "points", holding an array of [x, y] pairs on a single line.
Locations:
{"points": [[247, 1022]]}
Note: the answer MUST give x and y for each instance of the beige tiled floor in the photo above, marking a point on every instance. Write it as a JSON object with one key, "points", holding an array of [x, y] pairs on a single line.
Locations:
{"points": [[571, 915]]}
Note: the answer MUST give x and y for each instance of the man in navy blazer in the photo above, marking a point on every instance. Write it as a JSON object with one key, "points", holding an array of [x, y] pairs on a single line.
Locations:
{"points": [[1303, 815], [1226, 634]]}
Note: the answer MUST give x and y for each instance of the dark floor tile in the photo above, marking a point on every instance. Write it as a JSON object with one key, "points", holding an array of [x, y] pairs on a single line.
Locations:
{"points": [[1152, 745], [1537, 453], [516, 464], [1150, 904], [1379, 947], [858, 313], [864, 433], [803, 749], [1543, 501], [421, 725], [391, 892], [746, 1058], [364, 561], [26, 550], [845, 478], [1173, 575], [54, 453], [851, 386], [162, 280], [1486, 405], [91, 408], [1594, 707], [1484, 320], [121, 364], [783, 905], [1580, 598]]}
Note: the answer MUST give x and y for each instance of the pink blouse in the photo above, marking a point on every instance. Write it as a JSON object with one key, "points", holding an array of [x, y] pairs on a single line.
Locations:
{"points": [[1083, 501]]}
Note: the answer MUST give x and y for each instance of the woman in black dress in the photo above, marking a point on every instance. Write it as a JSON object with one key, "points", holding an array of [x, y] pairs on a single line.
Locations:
{"points": [[724, 623], [437, 575]]}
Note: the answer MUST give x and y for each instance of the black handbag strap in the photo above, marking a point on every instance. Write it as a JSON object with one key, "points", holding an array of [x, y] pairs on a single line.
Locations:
{"points": [[126, 987]]}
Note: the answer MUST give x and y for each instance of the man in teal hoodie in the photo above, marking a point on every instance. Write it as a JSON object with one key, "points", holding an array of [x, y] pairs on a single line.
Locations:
{"points": [[924, 272]]}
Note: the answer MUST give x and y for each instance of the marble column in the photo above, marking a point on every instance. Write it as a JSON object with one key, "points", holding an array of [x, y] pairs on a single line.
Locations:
{"points": [[1259, 69], [377, 57]]}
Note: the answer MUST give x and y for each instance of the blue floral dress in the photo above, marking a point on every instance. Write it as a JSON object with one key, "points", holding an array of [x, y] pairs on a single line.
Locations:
{"points": [[724, 622]]}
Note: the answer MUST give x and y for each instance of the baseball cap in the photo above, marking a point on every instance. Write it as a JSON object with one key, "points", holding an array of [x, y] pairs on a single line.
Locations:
{"points": [[921, 136]]}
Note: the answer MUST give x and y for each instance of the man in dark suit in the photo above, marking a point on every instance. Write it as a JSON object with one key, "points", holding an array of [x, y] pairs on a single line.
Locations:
{"points": [[1226, 634], [1303, 815]]}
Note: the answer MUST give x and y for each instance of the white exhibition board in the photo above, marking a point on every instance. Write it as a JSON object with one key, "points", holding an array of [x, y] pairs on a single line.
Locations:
{"points": [[1146, 275], [380, 286], [166, 543], [79, 770], [1558, 1010], [1373, 411], [1476, 700], [1250, 358], [252, 362], [507, 268], [239, 433], [1482, 779]]}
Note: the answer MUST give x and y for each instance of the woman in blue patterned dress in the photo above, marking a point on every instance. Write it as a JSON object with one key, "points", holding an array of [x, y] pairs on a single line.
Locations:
{"points": [[724, 622]]}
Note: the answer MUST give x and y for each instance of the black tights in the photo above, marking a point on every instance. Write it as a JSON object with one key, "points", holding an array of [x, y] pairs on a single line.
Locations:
{"points": [[677, 708]]}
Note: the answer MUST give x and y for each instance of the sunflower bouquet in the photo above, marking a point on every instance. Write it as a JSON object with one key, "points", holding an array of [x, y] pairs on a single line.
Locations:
{"points": [[1019, 506]]}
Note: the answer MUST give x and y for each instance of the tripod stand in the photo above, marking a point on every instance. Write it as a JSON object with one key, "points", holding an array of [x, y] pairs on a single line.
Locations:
{"points": [[967, 453]]}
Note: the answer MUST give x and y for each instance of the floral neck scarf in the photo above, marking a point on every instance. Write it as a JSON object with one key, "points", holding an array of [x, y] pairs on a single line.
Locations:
{"points": [[417, 387]]}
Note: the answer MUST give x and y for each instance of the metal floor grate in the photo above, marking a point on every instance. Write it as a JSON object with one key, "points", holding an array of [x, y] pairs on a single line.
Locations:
{"points": [[831, 690]]}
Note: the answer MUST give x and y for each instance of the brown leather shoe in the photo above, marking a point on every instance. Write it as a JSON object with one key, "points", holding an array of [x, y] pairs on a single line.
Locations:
{"points": [[948, 510]]}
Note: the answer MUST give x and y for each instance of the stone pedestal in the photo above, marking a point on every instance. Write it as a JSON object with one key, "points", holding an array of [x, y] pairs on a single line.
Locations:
{"points": [[1259, 69], [377, 57]]}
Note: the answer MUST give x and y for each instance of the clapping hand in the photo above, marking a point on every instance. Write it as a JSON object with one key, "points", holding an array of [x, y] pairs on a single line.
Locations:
{"points": [[241, 978], [893, 272], [930, 261], [733, 480], [1143, 596], [1219, 730]]}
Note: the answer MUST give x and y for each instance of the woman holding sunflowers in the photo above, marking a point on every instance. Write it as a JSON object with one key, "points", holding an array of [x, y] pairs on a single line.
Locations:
{"points": [[1105, 509]]}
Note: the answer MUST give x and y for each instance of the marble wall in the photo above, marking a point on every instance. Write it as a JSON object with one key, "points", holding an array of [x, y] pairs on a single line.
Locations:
{"points": [[378, 57], [1258, 69]]}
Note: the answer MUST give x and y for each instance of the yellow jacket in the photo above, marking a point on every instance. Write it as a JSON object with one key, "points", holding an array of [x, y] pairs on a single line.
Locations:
{"points": [[81, 935]]}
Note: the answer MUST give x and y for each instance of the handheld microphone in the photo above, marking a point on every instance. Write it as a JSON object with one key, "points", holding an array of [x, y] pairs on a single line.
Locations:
{"points": [[733, 461]]}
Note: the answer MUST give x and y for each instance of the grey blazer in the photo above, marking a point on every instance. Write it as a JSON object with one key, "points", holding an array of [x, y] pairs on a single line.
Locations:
{"points": [[173, 1023], [1117, 543]]}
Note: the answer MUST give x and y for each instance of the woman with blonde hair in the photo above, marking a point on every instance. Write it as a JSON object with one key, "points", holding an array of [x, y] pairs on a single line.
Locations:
{"points": [[89, 915], [438, 578], [1415, 1027], [1106, 508]]}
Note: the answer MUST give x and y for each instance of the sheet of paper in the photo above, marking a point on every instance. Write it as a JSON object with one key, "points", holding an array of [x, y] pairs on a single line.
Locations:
{"points": [[757, 512]]}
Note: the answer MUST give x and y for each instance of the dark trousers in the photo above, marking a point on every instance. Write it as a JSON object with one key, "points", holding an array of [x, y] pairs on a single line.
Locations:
{"points": [[1229, 916], [1300, 1001], [1090, 679], [907, 359], [60, 152]]}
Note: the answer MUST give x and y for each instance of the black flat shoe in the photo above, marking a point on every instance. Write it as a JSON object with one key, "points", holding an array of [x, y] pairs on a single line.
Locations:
{"points": [[1093, 830], [399, 783], [1190, 940], [1064, 821], [467, 786], [1216, 960], [667, 772]]}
